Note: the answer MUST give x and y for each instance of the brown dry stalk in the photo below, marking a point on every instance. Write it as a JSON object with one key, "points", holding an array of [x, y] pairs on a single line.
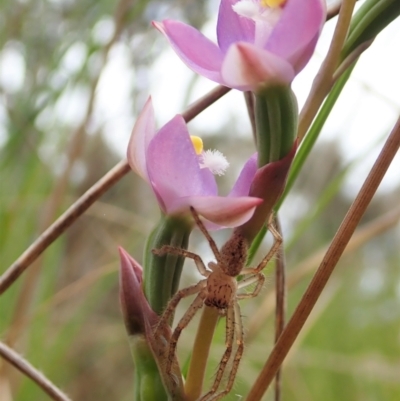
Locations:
{"points": [[280, 301], [327, 265], [28, 370]]}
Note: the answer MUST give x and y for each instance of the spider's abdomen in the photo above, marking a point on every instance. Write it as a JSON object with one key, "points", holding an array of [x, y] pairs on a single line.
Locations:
{"points": [[233, 255], [221, 290]]}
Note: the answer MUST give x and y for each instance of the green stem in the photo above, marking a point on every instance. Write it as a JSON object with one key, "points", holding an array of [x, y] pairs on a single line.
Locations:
{"points": [[148, 383], [313, 134], [323, 81], [201, 349], [161, 274], [370, 19], [276, 123]]}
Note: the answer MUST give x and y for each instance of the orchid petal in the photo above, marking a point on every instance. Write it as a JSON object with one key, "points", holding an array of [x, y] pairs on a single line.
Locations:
{"points": [[300, 58], [195, 50], [231, 27], [246, 67], [243, 183], [142, 133], [281, 48], [300, 22], [268, 184], [223, 211], [173, 166]]}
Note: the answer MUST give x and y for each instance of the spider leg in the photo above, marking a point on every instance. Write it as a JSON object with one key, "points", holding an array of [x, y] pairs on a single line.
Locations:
{"points": [[274, 249], [185, 320], [239, 351], [173, 303], [237, 358], [210, 240], [258, 278], [230, 333], [183, 252]]}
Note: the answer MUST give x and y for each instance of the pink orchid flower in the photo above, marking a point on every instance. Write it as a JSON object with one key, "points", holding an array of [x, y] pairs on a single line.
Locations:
{"points": [[260, 42], [167, 160]]}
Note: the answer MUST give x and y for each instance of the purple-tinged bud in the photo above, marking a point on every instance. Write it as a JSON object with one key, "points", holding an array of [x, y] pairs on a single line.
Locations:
{"points": [[149, 352], [135, 308]]}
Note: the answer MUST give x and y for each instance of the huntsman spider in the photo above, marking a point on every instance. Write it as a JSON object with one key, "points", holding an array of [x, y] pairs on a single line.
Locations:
{"points": [[219, 290]]}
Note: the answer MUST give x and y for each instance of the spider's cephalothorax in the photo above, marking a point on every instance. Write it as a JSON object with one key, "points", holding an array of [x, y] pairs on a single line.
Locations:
{"points": [[219, 289]]}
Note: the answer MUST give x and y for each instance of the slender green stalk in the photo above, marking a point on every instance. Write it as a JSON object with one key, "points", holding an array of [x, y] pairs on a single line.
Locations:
{"points": [[30, 371], [148, 383], [313, 134], [201, 350], [370, 19]]}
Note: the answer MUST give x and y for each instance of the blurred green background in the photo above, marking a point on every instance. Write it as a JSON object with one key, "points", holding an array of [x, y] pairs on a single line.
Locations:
{"points": [[73, 77]]}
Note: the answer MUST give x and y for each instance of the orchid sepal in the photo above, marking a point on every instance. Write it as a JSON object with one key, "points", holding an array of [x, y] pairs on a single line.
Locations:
{"points": [[268, 184]]}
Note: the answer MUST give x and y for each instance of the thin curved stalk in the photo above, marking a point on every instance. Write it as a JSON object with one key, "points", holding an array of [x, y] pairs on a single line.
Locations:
{"points": [[280, 302], [35, 375]]}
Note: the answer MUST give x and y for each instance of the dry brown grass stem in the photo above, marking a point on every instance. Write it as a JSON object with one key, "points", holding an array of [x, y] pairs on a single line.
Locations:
{"points": [[327, 265], [280, 301], [308, 265], [323, 80], [87, 199], [333, 9], [28, 370]]}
